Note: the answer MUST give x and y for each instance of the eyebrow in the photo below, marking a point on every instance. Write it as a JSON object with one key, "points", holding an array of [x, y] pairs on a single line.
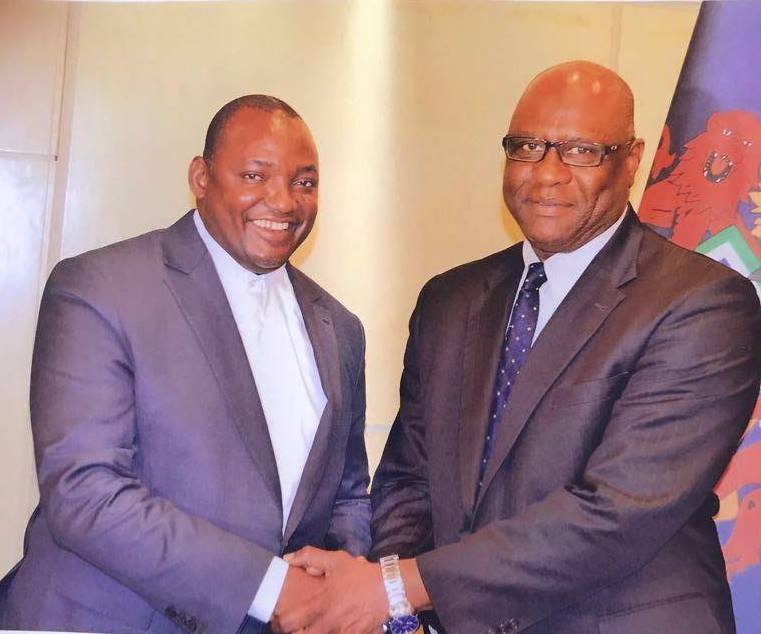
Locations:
{"points": [[527, 135], [259, 162], [306, 168]]}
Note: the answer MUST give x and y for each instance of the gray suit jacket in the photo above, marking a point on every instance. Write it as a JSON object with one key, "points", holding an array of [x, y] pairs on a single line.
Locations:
{"points": [[596, 510], [160, 505]]}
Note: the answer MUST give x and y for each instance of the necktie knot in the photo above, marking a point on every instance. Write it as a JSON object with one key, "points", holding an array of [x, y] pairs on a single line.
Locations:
{"points": [[535, 276]]}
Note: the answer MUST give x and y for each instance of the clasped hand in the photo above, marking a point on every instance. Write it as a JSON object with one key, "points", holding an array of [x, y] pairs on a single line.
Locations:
{"points": [[330, 593]]}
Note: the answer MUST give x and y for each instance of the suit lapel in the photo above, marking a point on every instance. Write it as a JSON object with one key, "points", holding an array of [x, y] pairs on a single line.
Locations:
{"points": [[193, 281], [586, 306], [485, 332], [321, 330]]}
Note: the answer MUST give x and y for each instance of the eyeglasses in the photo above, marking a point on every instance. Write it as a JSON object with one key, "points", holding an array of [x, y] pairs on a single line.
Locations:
{"points": [[575, 153]]}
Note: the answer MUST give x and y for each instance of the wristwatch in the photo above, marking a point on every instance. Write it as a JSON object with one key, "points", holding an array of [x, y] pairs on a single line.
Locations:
{"points": [[403, 619]]}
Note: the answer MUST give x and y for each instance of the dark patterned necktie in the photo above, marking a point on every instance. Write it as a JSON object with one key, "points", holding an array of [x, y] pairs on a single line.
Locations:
{"points": [[515, 349]]}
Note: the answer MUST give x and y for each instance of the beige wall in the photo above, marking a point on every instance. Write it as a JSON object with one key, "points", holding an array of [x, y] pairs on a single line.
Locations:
{"points": [[32, 46], [407, 100]]}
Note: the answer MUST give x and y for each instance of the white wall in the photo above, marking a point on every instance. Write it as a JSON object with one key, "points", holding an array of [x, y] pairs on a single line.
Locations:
{"points": [[32, 46]]}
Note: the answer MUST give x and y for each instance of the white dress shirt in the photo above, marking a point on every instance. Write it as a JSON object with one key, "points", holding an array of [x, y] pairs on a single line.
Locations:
{"points": [[282, 361], [563, 270]]}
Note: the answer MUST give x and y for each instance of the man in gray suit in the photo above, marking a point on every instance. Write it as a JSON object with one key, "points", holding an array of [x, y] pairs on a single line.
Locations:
{"points": [[197, 406], [567, 406]]}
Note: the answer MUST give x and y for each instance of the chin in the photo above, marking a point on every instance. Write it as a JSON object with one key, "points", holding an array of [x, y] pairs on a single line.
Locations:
{"points": [[543, 240], [547, 245], [269, 264]]}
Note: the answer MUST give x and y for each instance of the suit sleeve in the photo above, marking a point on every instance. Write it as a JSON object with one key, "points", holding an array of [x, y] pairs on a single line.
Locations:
{"points": [[88, 451], [350, 522], [670, 435], [401, 502]]}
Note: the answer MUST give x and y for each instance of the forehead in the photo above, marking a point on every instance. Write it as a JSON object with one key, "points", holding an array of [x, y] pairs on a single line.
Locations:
{"points": [[568, 115], [253, 134]]}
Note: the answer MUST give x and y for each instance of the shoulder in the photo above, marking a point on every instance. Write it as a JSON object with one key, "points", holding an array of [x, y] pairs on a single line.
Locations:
{"points": [[126, 262], [462, 281], [682, 272], [94, 290], [693, 299], [125, 277]]}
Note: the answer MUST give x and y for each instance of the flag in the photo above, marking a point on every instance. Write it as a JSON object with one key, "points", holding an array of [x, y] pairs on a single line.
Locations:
{"points": [[704, 193]]}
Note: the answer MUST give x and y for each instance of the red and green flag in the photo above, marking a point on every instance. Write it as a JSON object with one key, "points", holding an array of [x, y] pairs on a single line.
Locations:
{"points": [[704, 193]]}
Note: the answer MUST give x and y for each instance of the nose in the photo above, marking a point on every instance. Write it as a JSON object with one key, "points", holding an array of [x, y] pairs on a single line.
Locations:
{"points": [[551, 170], [278, 195]]}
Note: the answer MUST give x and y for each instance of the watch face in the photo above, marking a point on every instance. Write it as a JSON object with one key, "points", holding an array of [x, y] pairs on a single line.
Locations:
{"points": [[403, 624]]}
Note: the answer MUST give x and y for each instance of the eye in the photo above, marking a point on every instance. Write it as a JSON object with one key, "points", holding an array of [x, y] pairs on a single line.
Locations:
{"points": [[252, 176], [747, 143], [726, 132], [530, 146], [306, 183], [578, 150]]}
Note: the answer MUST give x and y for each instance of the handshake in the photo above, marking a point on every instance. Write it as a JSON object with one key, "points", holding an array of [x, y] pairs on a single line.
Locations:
{"points": [[335, 593]]}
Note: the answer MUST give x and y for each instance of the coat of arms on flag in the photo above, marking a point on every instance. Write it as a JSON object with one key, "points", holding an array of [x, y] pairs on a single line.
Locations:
{"points": [[704, 193], [711, 190]]}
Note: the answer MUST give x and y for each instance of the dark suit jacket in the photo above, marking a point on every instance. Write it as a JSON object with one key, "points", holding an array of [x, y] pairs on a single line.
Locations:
{"points": [[160, 503], [596, 510]]}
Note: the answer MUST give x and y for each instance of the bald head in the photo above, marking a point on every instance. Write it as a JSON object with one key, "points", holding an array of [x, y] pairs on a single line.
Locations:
{"points": [[564, 91], [264, 103]]}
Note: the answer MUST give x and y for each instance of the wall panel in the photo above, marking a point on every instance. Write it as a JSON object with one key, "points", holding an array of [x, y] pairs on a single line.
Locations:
{"points": [[32, 41]]}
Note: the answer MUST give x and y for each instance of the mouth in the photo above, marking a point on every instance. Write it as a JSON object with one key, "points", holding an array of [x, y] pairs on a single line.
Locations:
{"points": [[717, 167], [549, 203], [271, 225]]}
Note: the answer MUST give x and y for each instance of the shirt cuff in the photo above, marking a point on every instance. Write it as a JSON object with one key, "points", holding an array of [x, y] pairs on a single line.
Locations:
{"points": [[268, 593]]}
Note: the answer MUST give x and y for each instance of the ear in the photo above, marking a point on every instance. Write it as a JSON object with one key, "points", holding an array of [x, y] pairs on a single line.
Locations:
{"points": [[198, 176], [633, 159]]}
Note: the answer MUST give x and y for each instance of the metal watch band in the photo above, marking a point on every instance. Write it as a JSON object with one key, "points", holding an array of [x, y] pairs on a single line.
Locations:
{"points": [[398, 605]]}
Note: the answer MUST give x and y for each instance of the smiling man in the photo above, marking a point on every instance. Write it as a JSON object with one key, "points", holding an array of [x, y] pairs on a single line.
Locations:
{"points": [[567, 406], [197, 407]]}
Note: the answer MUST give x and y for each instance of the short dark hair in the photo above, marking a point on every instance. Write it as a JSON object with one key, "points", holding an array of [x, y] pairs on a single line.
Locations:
{"points": [[258, 102]]}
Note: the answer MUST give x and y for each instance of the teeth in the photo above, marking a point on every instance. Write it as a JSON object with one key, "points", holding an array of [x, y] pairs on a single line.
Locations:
{"points": [[271, 224]]}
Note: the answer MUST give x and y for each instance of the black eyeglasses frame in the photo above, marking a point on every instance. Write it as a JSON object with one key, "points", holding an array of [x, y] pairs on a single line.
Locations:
{"points": [[548, 145]]}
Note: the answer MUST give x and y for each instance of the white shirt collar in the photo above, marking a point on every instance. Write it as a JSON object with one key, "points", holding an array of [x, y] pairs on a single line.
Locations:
{"points": [[563, 270]]}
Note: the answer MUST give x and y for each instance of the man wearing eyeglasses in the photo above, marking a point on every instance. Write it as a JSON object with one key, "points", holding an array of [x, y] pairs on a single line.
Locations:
{"points": [[567, 406]]}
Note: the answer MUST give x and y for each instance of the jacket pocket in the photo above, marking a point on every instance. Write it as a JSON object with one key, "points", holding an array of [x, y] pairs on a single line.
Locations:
{"points": [[684, 614], [96, 606]]}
